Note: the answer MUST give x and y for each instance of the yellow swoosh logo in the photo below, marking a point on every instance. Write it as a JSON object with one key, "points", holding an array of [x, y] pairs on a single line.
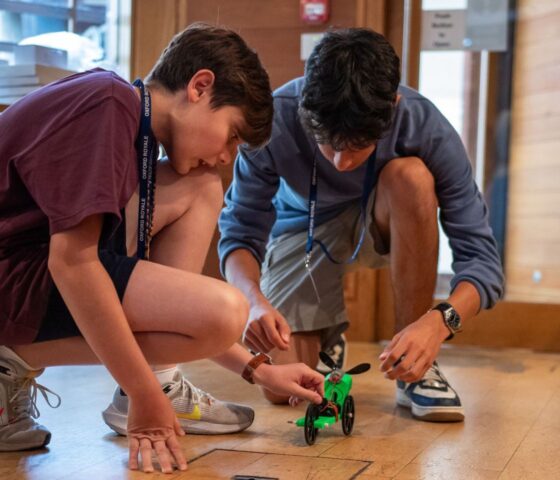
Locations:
{"points": [[194, 415]]}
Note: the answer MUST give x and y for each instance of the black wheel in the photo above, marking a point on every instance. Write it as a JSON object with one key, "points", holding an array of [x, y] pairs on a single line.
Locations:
{"points": [[348, 412], [310, 431]]}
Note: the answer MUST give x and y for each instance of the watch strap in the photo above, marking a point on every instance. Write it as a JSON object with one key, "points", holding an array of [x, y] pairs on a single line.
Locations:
{"points": [[252, 365], [443, 308]]}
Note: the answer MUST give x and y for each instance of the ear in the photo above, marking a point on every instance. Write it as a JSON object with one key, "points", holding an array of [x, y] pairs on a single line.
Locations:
{"points": [[398, 99], [199, 85]]}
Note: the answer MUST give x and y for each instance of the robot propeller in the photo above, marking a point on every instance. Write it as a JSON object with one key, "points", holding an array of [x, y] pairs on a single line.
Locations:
{"points": [[329, 362]]}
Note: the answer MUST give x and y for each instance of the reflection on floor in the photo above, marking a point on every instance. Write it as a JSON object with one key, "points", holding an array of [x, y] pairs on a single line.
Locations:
{"points": [[512, 429]]}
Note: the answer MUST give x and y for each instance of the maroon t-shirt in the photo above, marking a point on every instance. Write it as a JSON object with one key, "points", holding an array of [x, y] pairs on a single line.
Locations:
{"points": [[66, 152]]}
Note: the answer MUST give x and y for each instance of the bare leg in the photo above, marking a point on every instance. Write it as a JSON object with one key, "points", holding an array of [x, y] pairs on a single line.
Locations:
{"points": [[157, 348], [176, 316], [206, 315], [185, 217], [406, 216], [304, 348]]}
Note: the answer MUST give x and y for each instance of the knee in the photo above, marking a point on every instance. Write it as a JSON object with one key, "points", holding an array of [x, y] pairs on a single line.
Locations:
{"points": [[238, 306], [407, 183], [234, 312], [176, 194], [202, 187], [207, 185], [275, 399]]}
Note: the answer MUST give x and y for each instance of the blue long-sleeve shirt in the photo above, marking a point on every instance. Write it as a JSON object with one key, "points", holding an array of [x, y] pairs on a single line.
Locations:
{"points": [[269, 193]]}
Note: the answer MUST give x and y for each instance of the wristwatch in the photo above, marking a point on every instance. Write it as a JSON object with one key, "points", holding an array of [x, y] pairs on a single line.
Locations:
{"points": [[451, 318], [253, 364]]}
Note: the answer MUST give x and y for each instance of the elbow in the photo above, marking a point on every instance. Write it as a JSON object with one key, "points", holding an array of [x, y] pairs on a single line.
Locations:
{"points": [[497, 289], [64, 259], [492, 295], [74, 249], [56, 263]]}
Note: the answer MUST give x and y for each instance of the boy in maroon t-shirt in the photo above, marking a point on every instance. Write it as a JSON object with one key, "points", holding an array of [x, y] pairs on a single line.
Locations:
{"points": [[72, 290]]}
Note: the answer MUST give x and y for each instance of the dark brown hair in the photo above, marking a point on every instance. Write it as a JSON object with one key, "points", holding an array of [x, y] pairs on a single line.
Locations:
{"points": [[240, 79], [350, 90]]}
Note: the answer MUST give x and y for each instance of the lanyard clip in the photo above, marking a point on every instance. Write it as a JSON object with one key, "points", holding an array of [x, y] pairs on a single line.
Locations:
{"points": [[307, 263], [307, 260]]}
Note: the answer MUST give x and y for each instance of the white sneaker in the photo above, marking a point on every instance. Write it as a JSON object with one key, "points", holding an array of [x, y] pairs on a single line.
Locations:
{"points": [[338, 353], [431, 399], [18, 407], [198, 411]]}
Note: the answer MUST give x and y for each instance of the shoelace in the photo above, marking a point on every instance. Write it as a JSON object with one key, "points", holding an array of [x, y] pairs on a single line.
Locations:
{"points": [[434, 377], [335, 353], [196, 393], [26, 398]]}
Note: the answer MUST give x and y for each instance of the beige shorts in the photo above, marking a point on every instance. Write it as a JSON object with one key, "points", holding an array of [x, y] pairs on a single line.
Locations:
{"points": [[287, 284]]}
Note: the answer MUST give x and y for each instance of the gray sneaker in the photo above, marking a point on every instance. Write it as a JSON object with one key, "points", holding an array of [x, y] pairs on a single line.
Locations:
{"points": [[198, 412], [18, 408]]}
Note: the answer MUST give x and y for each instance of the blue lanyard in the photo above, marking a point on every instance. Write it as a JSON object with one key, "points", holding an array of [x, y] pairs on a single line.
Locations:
{"points": [[147, 154], [366, 191]]}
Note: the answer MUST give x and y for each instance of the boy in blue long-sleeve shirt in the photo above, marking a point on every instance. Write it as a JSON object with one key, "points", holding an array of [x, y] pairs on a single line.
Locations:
{"points": [[385, 159]]}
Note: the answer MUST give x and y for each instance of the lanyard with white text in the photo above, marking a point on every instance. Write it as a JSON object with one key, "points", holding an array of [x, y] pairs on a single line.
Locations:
{"points": [[366, 191], [147, 153]]}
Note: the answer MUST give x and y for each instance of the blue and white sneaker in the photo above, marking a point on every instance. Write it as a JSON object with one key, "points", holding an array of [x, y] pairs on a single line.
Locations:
{"points": [[338, 352], [431, 399]]}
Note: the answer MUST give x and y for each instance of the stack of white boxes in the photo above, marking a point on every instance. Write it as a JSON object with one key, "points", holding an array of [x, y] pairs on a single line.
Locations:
{"points": [[35, 66]]}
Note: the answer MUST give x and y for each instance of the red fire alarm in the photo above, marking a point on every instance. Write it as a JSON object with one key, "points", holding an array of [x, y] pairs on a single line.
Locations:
{"points": [[314, 12]]}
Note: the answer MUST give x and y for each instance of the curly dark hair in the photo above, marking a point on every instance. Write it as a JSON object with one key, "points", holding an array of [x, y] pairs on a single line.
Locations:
{"points": [[240, 79], [350, 91]]}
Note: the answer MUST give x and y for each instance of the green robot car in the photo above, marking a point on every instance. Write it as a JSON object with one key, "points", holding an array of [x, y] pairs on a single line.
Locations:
{"points": [[337, 403]]}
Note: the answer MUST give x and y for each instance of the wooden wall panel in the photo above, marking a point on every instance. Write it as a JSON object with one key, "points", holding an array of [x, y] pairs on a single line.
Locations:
{"points": [[154, 25], [532, 28], [533, 234], [372, 14], [394, 33], [360, 300], [534, 9], [514, 325], [273, 28]]}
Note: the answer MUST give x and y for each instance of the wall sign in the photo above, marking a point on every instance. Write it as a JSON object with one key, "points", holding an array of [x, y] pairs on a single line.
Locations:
{"points": [[483, 25], [443, 29]]}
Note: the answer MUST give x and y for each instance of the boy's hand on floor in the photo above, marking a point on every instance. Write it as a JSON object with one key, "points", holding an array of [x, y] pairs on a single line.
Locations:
{"points": [[153, 426], [296, 380]]}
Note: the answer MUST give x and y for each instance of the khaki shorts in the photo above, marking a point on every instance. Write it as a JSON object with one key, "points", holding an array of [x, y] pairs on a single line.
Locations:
{"points": [[286, 282]]}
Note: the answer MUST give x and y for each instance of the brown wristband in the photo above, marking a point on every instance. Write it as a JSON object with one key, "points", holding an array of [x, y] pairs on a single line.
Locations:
{"points": [[253, 364]]}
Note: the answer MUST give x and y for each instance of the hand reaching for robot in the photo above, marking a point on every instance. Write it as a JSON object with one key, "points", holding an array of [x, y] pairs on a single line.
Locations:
{"points": [[296, 380]]}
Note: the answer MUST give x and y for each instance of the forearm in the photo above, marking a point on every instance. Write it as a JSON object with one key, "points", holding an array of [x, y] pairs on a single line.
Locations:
{"points": [[266, 327], [465, 300], [93, 302], [235, 359], [242, 270]]}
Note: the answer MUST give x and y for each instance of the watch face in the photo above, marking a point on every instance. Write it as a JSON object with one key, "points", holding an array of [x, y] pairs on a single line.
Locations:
{"points": [[452, 319]]}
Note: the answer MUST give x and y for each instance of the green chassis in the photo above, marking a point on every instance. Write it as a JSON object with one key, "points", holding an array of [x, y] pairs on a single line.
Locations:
{"points": [[337, 394]]}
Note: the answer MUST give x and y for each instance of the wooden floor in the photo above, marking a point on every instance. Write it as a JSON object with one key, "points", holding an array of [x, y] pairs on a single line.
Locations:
{"points": [[512, 429]]}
